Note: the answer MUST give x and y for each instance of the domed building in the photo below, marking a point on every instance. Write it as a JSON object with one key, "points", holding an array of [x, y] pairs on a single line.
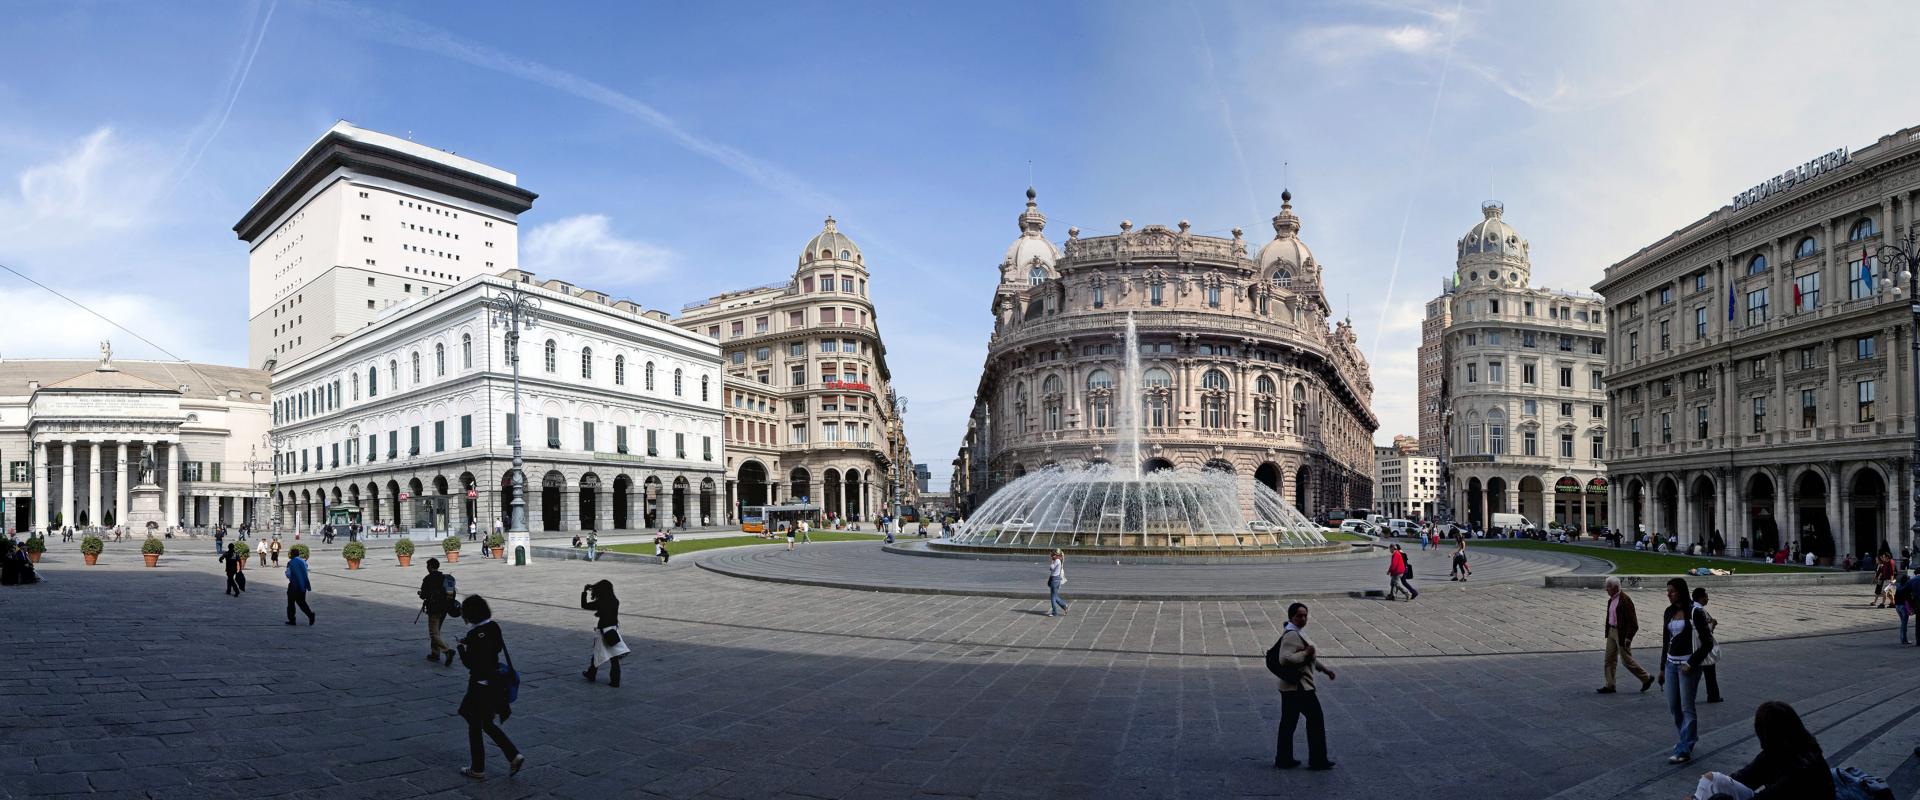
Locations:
{"points": [[810, 414], [1240, 369], [1520, 402]]}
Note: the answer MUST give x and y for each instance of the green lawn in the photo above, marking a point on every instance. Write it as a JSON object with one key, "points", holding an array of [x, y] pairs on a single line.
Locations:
{"points": [[690, 545], [1627, 561], [1342, 536]]}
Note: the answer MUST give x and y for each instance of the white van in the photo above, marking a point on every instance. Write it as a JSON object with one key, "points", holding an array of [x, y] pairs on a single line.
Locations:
{"points": [[1401, 527], [1508, 523], [1378, 521]]}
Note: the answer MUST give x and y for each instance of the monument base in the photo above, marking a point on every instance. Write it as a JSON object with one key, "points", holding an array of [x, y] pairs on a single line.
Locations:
{"points": [[519, 548], [143, 506]]}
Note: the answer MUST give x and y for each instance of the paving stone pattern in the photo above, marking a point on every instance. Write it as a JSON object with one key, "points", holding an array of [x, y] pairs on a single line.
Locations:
{"points": [[135, 682]]}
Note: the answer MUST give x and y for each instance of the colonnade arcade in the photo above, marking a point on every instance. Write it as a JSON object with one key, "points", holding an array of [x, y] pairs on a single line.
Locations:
{"points": [[1830, 508], [81, 478], [558, 499], [1567, 499]]}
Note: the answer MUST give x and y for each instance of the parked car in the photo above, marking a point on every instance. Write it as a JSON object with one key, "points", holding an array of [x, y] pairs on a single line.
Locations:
{"points": [[1359, 526], [1401, 527]]}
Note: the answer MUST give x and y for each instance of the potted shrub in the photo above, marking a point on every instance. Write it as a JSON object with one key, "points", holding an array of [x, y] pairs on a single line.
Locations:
{"points": [[90, 547], [241, 550], [151, 550], [451, 544], [497, 545], [301, 551], [354, 552], [35, 546], [404, 550]]}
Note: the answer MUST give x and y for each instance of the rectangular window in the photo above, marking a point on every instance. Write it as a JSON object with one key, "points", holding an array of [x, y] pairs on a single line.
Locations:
{"points": [[806, 285], [799, 375], [1863, 392], [1598, 411], [680, 445], [553, 433], [653, 443], [1863, 348], [586, 436], [1213, 297], [1809, 408], [829, 315], [1700, 422], [1759, 414], [1807, 296], [1527, 307], [393, 445], [1566, 409], [466, 430], [759, 324], [1860, 278], [796, 319], [1597, 381], [1153, 293], [1493, 306], [1529, 407], [798, 434], [1666, 295], [413, 441], [1530, 443], [706, 442], [513, 431], [1566, 377], [1566, 445], [829, 431], [620, 439], [1495, 375], [1807, 358], [1666, 427], [1666, 339], [1699, 323], [846, 284], [1599, 448], [797, 350], [762, 353], [1699, 285], [739, 328], [1633, 432], [1473, 373], [1527, 377], [439, 436], [1099, 296], [1759, 367], [1633, 344], [1757, 307], [373, 446]]}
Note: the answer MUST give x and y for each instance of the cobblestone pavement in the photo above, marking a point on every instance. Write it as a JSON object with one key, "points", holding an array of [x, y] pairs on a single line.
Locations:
{"points": [[138, 682], [872, 567]]}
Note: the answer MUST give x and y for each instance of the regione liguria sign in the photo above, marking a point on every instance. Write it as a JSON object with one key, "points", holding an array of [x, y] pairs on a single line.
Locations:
{"points": [[1785, 181]]}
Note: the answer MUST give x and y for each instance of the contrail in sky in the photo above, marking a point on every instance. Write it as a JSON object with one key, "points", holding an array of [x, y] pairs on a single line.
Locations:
{"points": [[1226, 112], [1426, 140], [245, 68]]}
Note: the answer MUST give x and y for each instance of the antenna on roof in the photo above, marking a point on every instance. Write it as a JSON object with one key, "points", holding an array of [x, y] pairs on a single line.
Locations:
{"points": [[1029, 172]]}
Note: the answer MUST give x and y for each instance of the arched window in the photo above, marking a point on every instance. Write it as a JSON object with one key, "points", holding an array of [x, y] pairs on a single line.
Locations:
{"points": [[676, 384], [1283, 279], [553, 356], [1036, 276], [393, 375], [1020, 407], [1806, 247], [703, 388], [1264, 403], [1299, 410], [415, 358], [439, 360], [1156, 403], [373, 381], [1757, 264], [1475, 443], [1099, 379], [1213, 403], [1215, 380], [586, 363], [354, 380], [1862, 229], [1496, 433], [620, 370], [466, 351], [1051, 400], [648, 376]]}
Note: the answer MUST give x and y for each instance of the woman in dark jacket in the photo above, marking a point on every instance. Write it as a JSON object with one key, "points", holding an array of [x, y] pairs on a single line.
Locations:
{"points": [[232, 559], [1790, 764], [1685, 641], [599, 599], [486, 698]]}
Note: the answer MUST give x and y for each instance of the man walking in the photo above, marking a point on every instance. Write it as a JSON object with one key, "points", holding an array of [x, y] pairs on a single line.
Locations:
{"points": [[473, 531], [297, 585], [436, 600], [1621, 626], [1297, 664]]}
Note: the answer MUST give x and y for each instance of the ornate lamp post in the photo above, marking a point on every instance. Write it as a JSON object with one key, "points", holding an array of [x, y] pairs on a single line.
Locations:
{"points": [[514, 309], [1904, 255]]}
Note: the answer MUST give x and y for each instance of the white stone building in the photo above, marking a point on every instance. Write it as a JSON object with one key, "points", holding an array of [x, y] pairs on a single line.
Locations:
{"points": [[1406, 485], [361, 222], [621, 409], [1524, 397], [71, 432]]}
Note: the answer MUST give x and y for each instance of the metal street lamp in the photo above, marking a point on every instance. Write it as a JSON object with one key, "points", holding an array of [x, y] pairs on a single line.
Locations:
{"points": [[515, 309], [1904, 254]]}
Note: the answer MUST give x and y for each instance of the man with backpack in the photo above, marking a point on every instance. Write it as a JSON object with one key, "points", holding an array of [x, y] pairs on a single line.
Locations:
{"points": [[1292, 660], [437, 599]]}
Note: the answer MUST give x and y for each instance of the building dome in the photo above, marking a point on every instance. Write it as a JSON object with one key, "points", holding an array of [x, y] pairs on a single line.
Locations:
{"points": [[1032, 245], [1492, 235], [830, 245], [1286, 251]]}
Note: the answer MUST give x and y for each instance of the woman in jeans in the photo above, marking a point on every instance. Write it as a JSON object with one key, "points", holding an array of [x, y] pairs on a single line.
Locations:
{"points": [[1685, 641], [1056, 576], [480, 649]]}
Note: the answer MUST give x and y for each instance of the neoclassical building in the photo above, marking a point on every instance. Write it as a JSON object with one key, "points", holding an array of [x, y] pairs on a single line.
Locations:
{"points": [[1240, 369], [1524, 398], [71, 434], [811, 412], [409, 420], [1761, 362]]}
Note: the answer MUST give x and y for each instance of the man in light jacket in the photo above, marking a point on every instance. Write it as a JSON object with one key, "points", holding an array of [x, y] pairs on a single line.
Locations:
{"points": [[1298, 698], [1621, 625]]}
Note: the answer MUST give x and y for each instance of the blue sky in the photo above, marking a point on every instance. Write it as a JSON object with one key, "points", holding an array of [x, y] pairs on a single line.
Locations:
{"points": [[684, 149]]}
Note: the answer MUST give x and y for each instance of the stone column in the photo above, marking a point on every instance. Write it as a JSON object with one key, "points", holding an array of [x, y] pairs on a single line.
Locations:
{"points": [[1785, 511], [1893, 520], [1835, 520], [123, 478], [603, 507], [1683, 513], [67, 449], [93, 485], [170, 500], [40, 493]]}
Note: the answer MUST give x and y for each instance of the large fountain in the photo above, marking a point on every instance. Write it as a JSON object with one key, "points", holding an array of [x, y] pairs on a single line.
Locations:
{"points": [[1120, 508]]}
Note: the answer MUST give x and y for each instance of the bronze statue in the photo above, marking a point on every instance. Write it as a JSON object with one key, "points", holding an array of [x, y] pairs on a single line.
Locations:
{"points": [[146, 464]]}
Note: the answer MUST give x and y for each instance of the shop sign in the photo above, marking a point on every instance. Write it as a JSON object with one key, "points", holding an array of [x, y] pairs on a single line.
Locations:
{"points": [[1597, 486], [1567, 485]]}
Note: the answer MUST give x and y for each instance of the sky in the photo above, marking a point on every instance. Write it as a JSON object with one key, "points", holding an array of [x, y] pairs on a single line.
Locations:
{"points": [[684, 149]]}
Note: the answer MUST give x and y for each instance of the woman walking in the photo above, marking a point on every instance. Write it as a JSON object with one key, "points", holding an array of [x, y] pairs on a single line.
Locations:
{"points": [[1685, 641], [1460, 568], [1883, 572], [1056, 577], [607, 642], [1396, 566], [486, 698], [1709, 673], [274, 549], [232, 559]]}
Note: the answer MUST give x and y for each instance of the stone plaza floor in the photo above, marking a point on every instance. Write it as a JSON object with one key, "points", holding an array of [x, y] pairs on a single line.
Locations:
{"points": [[121, 680]]}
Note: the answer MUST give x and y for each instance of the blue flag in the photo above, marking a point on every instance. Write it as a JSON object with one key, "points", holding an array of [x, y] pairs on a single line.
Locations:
{"points": [[1866, 271], [1729, 302]]}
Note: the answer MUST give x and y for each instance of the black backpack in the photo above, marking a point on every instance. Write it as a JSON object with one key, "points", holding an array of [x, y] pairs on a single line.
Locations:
{"points": [[1282, 670]]}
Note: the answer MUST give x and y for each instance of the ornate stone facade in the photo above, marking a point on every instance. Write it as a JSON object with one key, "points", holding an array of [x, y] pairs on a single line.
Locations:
{"points": [[1523, 396], [1779, 345], [1240, 369]]}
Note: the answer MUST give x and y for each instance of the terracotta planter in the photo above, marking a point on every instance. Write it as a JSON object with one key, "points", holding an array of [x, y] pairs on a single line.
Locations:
{"points": [[500, 553], [406, 561], [153, 559], [353, 563], [90, 557], [34, 557], [453, 556]]}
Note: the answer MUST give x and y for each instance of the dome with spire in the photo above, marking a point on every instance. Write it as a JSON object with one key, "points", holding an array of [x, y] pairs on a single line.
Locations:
{"points": [[1286, 251], [830, 245], [1032, 246], [1492, 235]]}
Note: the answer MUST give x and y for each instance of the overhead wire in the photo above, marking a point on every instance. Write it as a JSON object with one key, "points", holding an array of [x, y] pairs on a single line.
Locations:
{"points": [[84, 307]]}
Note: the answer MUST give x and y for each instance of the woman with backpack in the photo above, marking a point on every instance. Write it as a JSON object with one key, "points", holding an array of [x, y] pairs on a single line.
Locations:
{"points": [[608, 646], [489, 684]]}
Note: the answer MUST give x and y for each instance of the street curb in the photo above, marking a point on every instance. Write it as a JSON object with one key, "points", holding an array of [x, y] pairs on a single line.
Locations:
{"points": [[1359, 551], [1731, 581]]}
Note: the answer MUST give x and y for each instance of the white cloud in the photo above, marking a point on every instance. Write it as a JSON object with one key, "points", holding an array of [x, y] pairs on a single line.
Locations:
{"points": [[40, 325], [98, 184], [584, 250]]}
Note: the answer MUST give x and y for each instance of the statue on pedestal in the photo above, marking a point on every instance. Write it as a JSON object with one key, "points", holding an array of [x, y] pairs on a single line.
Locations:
{"points": [[146, 464]]}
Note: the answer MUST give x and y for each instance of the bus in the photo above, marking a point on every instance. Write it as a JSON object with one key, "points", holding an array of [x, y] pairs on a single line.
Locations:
{"points": [[753, 519], [762, 519]]}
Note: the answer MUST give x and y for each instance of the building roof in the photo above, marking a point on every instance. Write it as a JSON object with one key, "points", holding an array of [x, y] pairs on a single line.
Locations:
{"points": [[1492, 234], [830, 244], [1286, 250], [1032, 245], [203, 381]]}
